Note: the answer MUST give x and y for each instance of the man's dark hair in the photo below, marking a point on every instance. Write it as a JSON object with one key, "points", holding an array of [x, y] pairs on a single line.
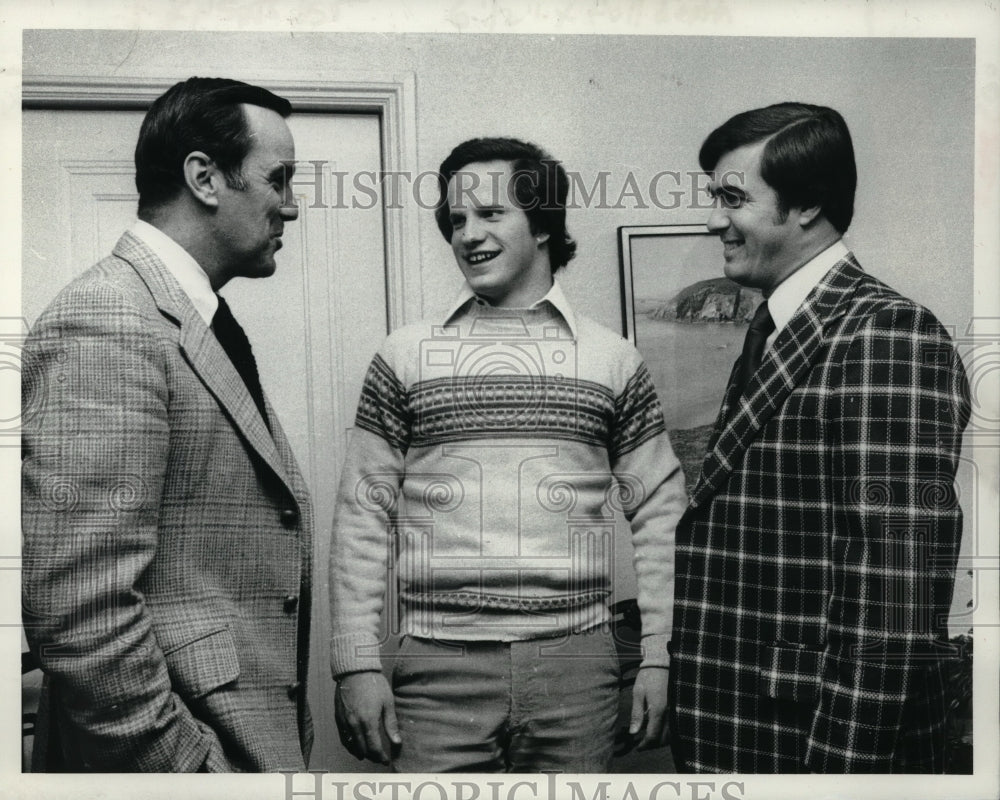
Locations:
{"points": [[540, 187], [197, 114], [808, 159]]}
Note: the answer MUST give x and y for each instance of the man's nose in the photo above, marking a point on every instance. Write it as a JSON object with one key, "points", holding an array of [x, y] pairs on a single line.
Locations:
{"points": [[289, 207], [718, 220], [472, 231]]}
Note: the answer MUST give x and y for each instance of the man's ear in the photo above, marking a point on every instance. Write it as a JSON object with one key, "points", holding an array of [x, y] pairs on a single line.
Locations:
{"points": [[202, 178], [807, 216]]}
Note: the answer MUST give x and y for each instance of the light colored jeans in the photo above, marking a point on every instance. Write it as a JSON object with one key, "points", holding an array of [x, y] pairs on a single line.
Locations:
{"points": [[545, 704]]}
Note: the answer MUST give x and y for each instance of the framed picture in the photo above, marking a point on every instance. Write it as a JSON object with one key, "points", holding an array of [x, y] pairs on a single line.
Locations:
{"points": [[687, 320]]}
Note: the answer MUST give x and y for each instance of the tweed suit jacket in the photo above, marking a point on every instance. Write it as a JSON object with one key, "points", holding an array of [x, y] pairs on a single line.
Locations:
{"points": [[167, 537], [815, 561]]}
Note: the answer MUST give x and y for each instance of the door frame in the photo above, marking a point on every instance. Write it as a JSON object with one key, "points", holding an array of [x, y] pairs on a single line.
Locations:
{"points": [[392, 99]]}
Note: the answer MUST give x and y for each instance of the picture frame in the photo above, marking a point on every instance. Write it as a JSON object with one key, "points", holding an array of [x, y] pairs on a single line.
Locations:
{"points": [[630, 241], [688, 322]]}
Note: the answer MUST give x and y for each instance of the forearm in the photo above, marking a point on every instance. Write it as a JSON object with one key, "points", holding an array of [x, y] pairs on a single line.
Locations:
{"points": [[359, 555], [655, 483]]}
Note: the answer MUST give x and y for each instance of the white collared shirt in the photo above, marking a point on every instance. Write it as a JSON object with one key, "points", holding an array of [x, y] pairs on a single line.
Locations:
{"points": [[179, 263], [553, 297], [792, 292]]}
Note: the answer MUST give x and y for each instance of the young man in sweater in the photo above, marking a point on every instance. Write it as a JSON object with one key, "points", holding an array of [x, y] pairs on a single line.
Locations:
{"points": [[490, 453]]}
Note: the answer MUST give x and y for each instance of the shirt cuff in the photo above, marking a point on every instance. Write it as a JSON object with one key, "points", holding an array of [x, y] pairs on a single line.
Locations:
{"points": [[654, 650], [354, 652]]}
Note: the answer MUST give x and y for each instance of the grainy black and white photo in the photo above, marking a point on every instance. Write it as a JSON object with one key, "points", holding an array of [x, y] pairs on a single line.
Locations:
{"points": [[611, 410]]}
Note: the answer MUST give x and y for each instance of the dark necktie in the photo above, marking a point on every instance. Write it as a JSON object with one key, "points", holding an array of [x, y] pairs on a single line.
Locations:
{"points": [[234, 341], [761, 326]]}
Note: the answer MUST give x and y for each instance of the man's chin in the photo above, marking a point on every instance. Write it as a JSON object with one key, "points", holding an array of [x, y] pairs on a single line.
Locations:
{"points": [[481, 284], [732, 271], [265, 269]]}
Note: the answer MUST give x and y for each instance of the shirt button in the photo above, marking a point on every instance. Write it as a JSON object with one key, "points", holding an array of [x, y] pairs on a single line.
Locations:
{"points": [[293, 689], [289, 517], [291, 603]]}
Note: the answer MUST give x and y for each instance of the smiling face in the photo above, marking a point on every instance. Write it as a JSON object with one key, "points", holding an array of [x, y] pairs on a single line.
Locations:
{"points": [[250, 219], [762, 244], [494, 246]]}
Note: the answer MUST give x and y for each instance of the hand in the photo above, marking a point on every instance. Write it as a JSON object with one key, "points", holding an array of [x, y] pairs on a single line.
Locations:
{"points": [[362, 706], [649, 708]]}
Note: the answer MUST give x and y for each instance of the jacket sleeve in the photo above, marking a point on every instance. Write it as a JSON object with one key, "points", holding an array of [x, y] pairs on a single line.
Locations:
{"points": [[367, 499], [652, 496], [95, 440], [896, 426]]}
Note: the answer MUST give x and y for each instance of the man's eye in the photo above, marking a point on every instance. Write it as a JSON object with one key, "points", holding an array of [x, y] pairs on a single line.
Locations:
{"points": [[457, 222], [729, 199]]}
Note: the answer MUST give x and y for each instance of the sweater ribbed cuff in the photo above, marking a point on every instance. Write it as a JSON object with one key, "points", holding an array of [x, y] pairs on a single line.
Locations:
{"points": [[354, 652], [654, 650]]}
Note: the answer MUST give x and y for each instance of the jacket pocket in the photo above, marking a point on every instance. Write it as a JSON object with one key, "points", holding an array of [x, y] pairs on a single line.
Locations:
{"points": [[203, 663], [788, 672]]}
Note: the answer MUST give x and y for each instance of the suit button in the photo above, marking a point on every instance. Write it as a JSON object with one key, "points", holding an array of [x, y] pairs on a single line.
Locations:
{"points": [[289, 517], [293, 689], [291, 603]]}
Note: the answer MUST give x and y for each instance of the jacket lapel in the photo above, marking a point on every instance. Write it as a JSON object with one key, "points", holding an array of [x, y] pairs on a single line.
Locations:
{"points": [[784, 367], [203, 352]]}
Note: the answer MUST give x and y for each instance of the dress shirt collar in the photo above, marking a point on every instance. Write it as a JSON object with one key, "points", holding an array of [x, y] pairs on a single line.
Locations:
{"points": [[792, 292], [554, 297], [179, 263]]}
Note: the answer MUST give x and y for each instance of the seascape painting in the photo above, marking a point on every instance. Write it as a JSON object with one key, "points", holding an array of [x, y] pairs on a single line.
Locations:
{"points": [[688, 321]]}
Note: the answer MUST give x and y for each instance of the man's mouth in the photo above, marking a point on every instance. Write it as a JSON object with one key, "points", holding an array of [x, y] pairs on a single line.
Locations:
{"points": [[481, 257], [729, 246]]}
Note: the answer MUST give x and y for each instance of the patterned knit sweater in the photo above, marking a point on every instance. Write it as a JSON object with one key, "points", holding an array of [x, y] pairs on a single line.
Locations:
{"points": [[481, 483]]}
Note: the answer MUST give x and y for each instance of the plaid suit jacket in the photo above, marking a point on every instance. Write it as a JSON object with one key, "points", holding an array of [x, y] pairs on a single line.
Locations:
{"points": [[815, 561], [167, 537]]}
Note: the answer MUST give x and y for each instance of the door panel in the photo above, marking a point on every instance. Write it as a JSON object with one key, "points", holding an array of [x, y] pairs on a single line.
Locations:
{"points": [[314, 324]]}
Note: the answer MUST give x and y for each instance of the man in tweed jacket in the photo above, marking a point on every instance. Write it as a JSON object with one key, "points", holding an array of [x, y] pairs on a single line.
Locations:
{"points": [[167, 528], [815, 561]]}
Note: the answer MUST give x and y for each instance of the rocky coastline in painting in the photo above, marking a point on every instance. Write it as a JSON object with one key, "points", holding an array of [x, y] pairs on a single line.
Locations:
{"points": [[723, 307], [714, 300]]}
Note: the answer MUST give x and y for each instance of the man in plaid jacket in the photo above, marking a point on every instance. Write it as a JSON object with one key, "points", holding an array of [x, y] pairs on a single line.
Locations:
{"points": [[816, 559]]}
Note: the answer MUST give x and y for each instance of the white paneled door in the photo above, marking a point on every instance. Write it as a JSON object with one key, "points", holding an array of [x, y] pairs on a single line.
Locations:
{"points": [[314, 325]]}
